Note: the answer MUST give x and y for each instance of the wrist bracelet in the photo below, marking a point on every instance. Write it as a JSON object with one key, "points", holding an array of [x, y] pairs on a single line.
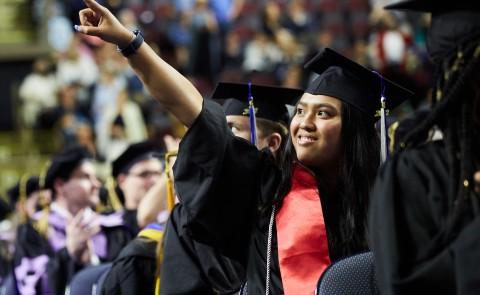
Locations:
{"points": [[133, 46]]}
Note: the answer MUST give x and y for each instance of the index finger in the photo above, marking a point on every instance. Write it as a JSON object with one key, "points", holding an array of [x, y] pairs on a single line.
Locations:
{"points": [[84, 16]]}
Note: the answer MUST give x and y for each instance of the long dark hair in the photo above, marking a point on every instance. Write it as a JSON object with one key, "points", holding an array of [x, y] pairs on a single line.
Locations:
{"points": [[455, 97], [346, 211]]}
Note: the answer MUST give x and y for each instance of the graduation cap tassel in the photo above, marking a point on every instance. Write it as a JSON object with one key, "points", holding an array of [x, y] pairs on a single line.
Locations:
{"points": [[112, 195], [383, 122], [41, 225], [44, 201], [23, 198], [251, 113]]}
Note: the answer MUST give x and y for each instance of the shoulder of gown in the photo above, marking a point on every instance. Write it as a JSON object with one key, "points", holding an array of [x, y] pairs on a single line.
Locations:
{"points": [[407, 218]]}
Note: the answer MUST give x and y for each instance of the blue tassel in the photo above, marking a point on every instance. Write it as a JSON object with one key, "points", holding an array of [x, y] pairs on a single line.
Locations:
{"points": [[252, 119]]}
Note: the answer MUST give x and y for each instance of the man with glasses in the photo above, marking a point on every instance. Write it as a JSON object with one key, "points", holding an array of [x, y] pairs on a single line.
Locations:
{"points": [[136, 171]]}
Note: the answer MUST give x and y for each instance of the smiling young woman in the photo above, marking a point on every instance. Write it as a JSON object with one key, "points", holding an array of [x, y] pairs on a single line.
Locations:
{"points": [[309, 210], [284, 223], [316, 129]]}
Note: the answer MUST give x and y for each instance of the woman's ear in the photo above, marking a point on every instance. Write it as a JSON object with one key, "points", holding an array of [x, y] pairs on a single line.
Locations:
{"points": [[274, 141]]}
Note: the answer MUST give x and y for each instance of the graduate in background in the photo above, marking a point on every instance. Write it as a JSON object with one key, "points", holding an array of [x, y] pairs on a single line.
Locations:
{"points": [[425, 217], [6, 240], [68, 235], [28, 196], [191, 267], [7, 237], [232, 191], [24, 199], [136, 171], [135, 269]]}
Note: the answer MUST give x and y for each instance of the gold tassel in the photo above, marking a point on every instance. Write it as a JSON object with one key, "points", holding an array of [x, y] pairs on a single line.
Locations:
{"points": [[41, 225], [43, 201], [391, 134], [112, 194], [22, 200]]}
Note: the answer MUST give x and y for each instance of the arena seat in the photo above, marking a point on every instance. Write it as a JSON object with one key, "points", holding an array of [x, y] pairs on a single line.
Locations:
{"points": [[351, 275]]}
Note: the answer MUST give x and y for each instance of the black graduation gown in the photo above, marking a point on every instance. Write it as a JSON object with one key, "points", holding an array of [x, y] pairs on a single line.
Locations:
{"points": [[190, 267], [407, 223], [133, 272], [32, 250], [223, 181]]}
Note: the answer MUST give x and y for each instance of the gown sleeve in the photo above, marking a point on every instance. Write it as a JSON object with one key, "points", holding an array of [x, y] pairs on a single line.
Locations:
{"points": [[217, 178], [407, 228], [189, 267], [60, 270]]}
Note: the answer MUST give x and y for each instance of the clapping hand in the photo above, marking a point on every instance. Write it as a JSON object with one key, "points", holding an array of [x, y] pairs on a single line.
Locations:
{"points": [[78, 234]]}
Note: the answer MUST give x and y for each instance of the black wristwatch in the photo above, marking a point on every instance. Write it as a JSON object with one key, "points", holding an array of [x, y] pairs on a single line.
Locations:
{"points": [[133, 46]]}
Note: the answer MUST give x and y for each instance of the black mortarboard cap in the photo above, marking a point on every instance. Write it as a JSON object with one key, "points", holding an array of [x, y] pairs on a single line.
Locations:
{"points": [[435, 5], [30, 186], [346, 80], [64, 163], [5, 209], [135, 153], [269, 101]]}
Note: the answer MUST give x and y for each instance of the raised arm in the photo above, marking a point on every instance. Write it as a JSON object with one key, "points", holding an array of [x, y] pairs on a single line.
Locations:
{"points": [[166, 84]]}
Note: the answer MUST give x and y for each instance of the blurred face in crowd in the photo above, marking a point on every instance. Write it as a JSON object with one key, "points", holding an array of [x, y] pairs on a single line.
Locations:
{"points": [[139, 179], [240, 126], [81, 189], [316, 130]]}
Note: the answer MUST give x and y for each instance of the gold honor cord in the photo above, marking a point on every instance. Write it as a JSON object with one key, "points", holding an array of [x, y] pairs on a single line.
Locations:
{"points": [[170, 205]]}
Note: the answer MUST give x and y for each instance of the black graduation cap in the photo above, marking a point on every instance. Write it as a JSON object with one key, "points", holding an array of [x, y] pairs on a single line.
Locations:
{"points": [[5, 209], [344, 79], [64, 163], [269, 101], [435, 6], [134, 153], [31, 185]]}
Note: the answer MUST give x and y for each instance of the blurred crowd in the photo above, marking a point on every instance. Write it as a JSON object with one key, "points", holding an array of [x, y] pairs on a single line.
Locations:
{"points": [[85, 90]]}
